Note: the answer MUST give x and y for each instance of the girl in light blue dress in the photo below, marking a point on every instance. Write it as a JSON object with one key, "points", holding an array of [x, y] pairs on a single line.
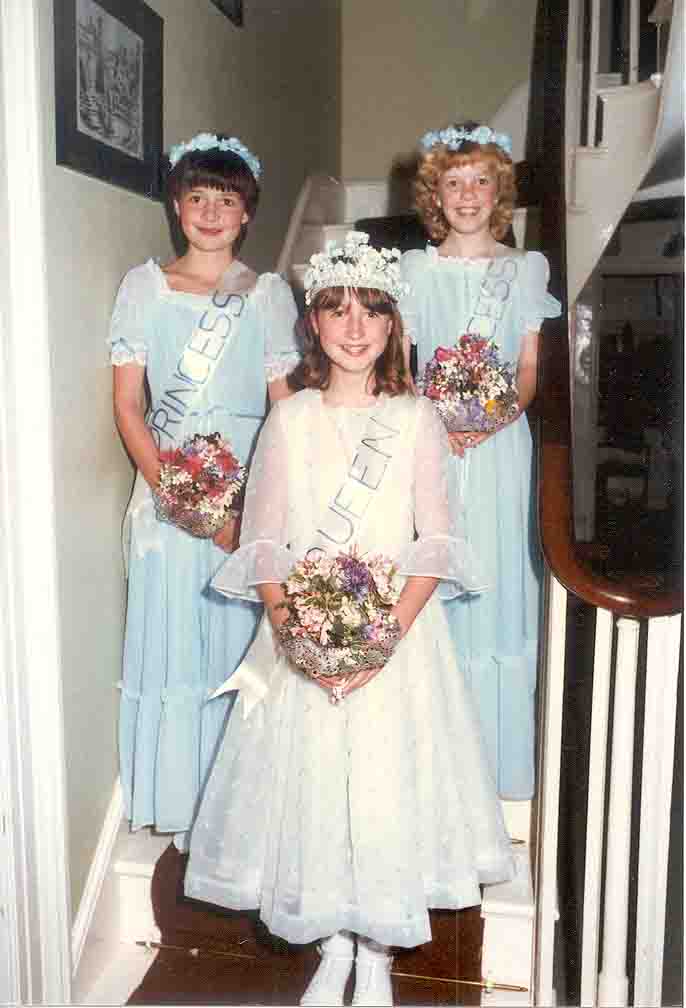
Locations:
{"points": [[213, 343], [468, 280]]}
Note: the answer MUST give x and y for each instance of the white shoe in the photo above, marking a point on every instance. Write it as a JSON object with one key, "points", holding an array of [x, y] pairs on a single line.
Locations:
{"points": [[327, 986], [372, 975]]}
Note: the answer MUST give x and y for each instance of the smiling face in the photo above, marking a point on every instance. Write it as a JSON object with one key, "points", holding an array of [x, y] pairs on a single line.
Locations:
{"points": [[211, 219], [352, 337], [467, 194]]}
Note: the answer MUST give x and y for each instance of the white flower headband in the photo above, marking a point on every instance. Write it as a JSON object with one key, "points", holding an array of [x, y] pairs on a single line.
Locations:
{"points": [[210, 141], [453, 137], [355, 264]]}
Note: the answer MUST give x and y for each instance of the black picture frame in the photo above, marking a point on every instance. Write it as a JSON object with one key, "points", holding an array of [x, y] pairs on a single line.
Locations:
{"points": [[108, 91], [233, 10]]}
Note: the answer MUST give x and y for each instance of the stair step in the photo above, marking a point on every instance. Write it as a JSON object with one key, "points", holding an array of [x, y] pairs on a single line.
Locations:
{"points": [[507, 910], [314, 237], [325, 200], [369, 198], [126, 895]]}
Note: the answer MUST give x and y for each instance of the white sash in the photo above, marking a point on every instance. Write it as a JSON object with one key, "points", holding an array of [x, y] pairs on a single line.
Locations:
{"points": [[494, 294], [167, 418], [339, 528], [491, 302]]}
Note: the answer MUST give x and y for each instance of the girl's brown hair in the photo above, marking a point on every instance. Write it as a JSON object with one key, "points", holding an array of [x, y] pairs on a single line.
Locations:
{"points": [[390, 372], [439, 159], [216, 169]]}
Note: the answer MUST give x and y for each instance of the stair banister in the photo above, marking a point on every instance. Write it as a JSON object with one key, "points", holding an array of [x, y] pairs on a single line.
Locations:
{"points": [[619, 606]]}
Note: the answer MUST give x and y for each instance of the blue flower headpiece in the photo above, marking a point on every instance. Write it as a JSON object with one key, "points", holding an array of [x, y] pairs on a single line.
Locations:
{"points": [[210, 141], [453, 137]]}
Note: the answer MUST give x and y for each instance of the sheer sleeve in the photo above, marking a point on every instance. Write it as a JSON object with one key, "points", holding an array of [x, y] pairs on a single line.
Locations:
{"points": [[128, 339], [281, 353], [262, 556], [411, 265], [539, 304], [440, 549]]}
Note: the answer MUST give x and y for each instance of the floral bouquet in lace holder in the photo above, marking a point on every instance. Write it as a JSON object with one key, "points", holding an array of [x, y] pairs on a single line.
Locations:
{"points": [[339, 615], [472, 389], [200, 486]]}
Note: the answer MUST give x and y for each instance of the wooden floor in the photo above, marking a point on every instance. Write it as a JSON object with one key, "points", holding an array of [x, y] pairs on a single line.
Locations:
{"points": [[238, 963]]}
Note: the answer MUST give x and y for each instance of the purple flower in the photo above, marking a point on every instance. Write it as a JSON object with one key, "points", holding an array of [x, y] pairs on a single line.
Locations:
{"points": [[356, 577]]}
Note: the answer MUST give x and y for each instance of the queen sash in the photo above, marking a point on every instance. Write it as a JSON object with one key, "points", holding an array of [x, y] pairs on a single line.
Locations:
{"points": [[339, 528], [168, 416]]}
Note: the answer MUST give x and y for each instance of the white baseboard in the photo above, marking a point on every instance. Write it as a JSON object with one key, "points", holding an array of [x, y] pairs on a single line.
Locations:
{"points": [[96, 874]]}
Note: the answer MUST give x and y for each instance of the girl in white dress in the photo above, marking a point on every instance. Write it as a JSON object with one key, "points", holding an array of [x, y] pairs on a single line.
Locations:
{"points": [[347, 822]]}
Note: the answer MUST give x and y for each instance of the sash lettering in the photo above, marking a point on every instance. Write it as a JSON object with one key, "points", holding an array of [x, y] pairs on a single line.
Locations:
{"points": [[198, 361], [373, 456], [493, 296]]}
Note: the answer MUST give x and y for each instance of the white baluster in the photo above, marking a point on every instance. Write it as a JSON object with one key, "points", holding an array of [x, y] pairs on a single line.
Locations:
{"points": [[596, 808], [613, 986], [593, 68], [549, 789], [634, 37], [656, 794]]}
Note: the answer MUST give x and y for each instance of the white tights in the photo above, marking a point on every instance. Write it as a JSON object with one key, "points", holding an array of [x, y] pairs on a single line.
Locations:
{"points": [[372, 972]]}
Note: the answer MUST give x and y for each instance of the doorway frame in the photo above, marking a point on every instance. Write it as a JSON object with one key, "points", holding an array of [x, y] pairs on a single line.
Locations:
{"points": [[33, 788]]}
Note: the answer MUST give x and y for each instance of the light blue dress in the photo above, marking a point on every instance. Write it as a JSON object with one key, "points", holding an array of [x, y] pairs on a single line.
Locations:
{"points": [[495, 632], [182, 640]]}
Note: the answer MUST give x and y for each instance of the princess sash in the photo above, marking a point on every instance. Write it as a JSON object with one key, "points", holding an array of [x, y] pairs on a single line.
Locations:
{"points": [[493, 295], [338, 529]]}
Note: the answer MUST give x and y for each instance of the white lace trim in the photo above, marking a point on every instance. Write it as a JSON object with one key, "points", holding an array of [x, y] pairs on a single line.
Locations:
{"points": [[280, 365], [122, 353]]}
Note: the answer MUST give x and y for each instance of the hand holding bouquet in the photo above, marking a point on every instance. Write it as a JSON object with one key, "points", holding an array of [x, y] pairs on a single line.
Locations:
{"points": [[200, 485], [472, 389], [340, 618]]}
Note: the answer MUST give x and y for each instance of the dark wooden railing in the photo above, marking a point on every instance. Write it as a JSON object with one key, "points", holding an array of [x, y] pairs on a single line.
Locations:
{"points": [[546, 156]]}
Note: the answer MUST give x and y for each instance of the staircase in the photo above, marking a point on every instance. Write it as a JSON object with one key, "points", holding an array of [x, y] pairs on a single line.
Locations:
{"points": [[605, 177], [627, 129]]}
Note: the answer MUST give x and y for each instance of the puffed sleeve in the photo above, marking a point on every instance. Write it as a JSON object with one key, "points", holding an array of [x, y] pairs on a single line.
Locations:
{"points": [[412, 264], [281, 352], [538, 304], [440, 549], [128, 335], [262, 557]]}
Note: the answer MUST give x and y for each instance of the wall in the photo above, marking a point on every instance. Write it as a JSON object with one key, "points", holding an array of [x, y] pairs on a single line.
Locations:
{"points": [[275, 83], [408, 67]]}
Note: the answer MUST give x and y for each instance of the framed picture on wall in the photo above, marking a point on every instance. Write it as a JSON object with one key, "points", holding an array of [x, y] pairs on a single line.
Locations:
{"points": [[108, 91], [232, 8]]}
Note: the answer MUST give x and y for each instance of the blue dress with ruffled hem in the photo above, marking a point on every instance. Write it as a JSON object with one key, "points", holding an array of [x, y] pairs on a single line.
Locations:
{"points": [[495, 632], [182, 640]]}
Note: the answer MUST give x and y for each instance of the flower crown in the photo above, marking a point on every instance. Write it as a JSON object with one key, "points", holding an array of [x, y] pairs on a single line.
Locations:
{"points": [[210, 141], [355, 264], [453, 137]]}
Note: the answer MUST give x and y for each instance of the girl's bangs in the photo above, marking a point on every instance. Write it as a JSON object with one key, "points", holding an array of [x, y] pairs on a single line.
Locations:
{"points": [[218, 170], [493, 159], [201, 176], [370, 298]]}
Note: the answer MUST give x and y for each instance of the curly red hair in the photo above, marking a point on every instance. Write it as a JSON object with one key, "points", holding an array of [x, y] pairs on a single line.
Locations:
{"points": [[439, 159]]}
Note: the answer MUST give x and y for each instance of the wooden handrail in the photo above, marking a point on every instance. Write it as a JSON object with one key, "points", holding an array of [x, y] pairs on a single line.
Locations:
{"points": [[563, 555]]}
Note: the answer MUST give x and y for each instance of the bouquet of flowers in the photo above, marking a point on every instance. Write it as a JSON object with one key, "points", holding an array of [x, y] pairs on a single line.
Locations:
{"points": [[339, 615], [472, 389], [200, 486]]}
